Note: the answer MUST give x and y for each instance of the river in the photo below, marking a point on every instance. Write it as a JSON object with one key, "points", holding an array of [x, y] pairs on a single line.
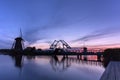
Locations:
{"points": [[48, 68]]}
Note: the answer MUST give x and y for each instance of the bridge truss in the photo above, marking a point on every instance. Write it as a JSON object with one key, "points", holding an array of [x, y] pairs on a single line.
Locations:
{"points": [[59, 44]]}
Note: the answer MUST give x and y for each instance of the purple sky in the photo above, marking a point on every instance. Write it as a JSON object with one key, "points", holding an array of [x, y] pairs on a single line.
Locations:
{"points": [[93, 22]]}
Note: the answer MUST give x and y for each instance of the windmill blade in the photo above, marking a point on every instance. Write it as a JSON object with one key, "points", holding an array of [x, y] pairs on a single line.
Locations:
{"points": [[21, 33]]}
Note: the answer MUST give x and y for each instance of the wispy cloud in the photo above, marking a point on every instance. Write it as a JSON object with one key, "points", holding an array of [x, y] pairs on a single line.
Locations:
{"points": [[110, 45], [39, 33], [5, 43], [33, 35], [98, 34]]}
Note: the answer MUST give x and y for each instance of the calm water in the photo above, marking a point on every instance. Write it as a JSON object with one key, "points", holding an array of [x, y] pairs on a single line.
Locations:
{"points": [[48, 68]]}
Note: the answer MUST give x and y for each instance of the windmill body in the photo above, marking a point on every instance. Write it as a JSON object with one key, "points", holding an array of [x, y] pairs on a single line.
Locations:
{"points": [[18, 43]]}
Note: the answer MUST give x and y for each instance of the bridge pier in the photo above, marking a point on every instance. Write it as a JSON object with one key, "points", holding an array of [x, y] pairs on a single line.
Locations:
{"points": [[79, 57], [65, 56], [85, 57]]}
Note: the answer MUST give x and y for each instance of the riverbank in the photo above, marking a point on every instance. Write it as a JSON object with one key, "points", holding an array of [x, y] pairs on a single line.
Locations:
{"points": [[111, 55], [112, 72]]}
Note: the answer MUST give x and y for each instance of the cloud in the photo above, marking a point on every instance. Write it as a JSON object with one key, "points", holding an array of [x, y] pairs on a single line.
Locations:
{"points": [[32, 32], [110, 45], [103, 33], [6, 43], [38, 33], [49, 42], [32, 35], [55, 19]]}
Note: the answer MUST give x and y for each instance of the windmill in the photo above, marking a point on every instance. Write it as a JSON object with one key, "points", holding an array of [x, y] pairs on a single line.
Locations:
{"points": [[18, 43]]}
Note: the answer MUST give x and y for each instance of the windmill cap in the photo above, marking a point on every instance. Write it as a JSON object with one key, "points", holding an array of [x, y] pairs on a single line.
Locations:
{"points": [[18, 38]]}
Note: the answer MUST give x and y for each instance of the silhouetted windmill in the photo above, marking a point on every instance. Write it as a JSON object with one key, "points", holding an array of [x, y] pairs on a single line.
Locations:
{"points": [[18, 43]]}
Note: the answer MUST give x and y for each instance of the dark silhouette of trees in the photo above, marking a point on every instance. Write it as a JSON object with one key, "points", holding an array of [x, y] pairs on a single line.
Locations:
{"points": [[111, 55]]}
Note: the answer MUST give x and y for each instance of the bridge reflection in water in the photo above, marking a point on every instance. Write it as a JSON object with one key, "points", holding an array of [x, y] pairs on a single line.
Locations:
{"points": [[64, 62], [59, 63], [54, 67]]}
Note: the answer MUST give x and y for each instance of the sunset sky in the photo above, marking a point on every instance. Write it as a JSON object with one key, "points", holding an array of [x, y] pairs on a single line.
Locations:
{"points": [[78, 22]]}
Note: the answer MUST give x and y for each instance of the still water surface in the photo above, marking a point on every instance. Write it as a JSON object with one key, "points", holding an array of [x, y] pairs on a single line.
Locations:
{"points": [[48, 68]]}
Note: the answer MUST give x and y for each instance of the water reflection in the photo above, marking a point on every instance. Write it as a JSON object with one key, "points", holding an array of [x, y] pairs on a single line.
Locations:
{"points": [[49, 68], [17, 60], [52, 67], [61, 63], [58, 63]]}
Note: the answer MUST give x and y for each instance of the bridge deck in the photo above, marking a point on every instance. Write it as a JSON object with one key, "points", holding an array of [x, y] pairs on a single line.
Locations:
{"points": [[112, 71], [74, 53]]}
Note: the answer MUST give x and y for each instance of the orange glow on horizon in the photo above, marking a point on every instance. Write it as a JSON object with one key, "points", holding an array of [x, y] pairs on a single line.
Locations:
{"points": [[75, 45]]}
